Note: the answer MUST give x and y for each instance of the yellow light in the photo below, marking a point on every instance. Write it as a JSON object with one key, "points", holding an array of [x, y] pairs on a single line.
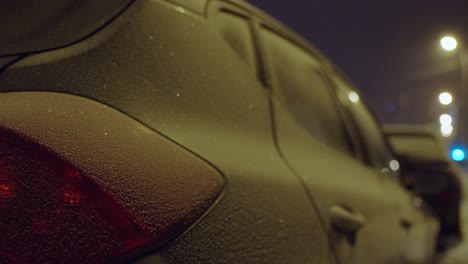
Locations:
{"points": [[448, 43], [353, 97], [446, 130], [445, 119], [445, 98]]}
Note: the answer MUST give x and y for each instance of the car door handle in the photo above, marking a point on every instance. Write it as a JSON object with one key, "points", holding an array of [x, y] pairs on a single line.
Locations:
{"points": [[345, 220]]}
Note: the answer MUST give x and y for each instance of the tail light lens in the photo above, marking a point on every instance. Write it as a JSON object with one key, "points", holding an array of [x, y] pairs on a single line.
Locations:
{"points": [[51, 212]]}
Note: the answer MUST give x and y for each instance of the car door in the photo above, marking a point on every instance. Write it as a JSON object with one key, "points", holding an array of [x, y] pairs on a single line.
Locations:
{"points": [[315, 140], [415, 217]]}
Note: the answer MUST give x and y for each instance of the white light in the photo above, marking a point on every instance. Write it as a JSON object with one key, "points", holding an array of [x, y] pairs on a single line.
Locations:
{"points": [[445, 119], [394, 165], [446, 130], [445, 98], [353, 97], [448, 43]]}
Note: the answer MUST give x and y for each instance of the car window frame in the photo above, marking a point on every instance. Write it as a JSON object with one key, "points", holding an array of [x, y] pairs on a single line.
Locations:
{"points": [[366, 152], [216, 7]]}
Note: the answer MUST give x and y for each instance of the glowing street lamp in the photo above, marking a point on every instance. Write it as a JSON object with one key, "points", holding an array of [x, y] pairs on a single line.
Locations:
{"points": [[452, 44], [445, 98], [446, 130], [448, 43], [445, 119]]}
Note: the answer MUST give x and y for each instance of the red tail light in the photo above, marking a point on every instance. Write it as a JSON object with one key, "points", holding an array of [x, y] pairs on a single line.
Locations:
{"points": [[51, 212]]}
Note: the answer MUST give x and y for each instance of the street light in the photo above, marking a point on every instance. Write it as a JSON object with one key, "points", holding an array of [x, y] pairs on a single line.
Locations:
{"points": [[459, 47], [448, 43], [445, 119], [445, 98], [446, 127], [446, 130]]}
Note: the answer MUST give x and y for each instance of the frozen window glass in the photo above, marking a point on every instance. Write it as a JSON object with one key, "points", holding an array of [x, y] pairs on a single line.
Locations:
{"points": [[304, 92]]}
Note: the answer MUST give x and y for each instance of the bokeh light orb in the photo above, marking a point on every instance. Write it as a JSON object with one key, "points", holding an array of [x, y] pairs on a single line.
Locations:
{"points": [[458, 154], [445, 98], [448, 43], [446, 130], [445, 119]]}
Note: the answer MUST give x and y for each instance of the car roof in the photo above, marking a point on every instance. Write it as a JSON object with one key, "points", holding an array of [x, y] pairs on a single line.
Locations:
{"points": [[288, 33]]}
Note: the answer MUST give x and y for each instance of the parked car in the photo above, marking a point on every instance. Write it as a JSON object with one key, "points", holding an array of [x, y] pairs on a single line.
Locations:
{"points": [[430, 174], [194, 131]]}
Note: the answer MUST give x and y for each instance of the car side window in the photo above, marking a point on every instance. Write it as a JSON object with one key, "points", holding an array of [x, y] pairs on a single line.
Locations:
{"points": [[304, 92], [377, 152], [236, 31]]}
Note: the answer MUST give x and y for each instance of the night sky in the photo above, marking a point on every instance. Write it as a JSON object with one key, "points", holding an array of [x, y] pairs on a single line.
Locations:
{"points": [[389, 49]]}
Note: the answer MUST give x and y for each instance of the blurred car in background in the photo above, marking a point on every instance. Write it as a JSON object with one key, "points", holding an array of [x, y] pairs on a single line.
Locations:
{"points": [[428, 172], [189, 132]]}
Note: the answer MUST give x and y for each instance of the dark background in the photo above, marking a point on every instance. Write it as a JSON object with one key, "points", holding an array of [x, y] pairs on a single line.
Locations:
{"points": [[389, 49]]}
